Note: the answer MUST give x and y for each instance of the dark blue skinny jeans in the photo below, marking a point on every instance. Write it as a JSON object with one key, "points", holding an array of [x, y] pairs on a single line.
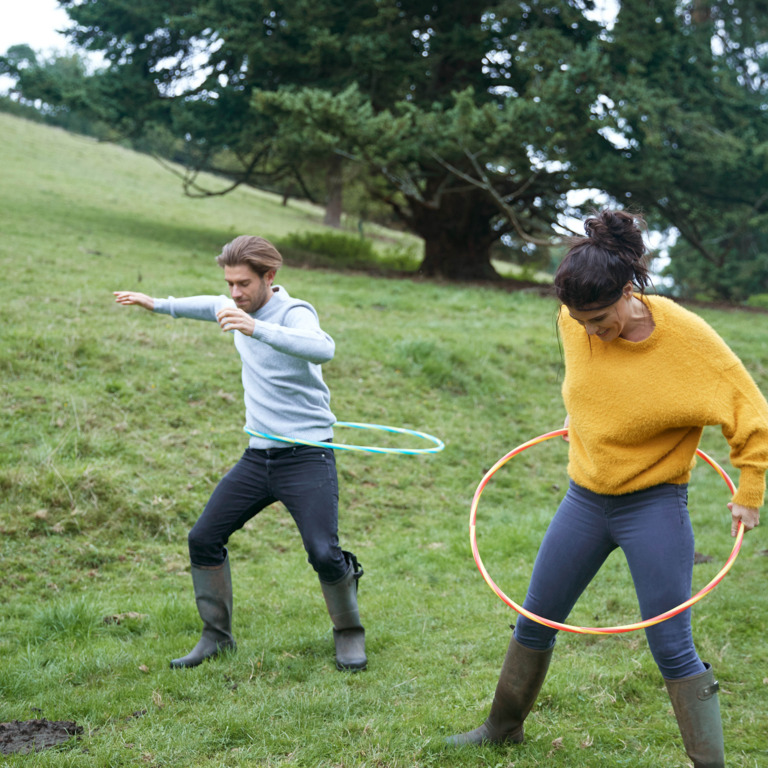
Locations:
{"points": [[653, 529], [303, 478]]}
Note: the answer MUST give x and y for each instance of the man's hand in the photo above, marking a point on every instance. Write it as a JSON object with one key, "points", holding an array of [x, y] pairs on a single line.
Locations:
{"points": [[747, 515], [131, 297], [234, 319]]}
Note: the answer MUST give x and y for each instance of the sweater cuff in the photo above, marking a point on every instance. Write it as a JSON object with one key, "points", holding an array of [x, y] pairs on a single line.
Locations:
{"points": [[162, 306], [751, 491]]}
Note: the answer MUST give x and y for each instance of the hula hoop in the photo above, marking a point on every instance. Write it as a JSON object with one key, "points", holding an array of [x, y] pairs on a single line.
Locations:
{"points": [[438, 444], [593, 630]]}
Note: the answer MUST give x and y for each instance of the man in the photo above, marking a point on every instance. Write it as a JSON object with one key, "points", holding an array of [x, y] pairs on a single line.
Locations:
{"points": [[282, 347]]}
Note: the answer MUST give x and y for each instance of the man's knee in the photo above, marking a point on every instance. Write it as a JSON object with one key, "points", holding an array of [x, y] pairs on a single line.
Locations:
{"points": [[328, 561], [203, 550]]}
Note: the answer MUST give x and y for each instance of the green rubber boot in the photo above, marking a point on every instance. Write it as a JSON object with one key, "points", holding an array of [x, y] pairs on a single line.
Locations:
{"points": [[697, 710], [348, 633], [213, 595], [520, 681]]}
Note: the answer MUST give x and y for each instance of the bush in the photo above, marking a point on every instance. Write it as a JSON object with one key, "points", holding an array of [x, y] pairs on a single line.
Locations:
{"points": [[759, 300], [340, 248]]}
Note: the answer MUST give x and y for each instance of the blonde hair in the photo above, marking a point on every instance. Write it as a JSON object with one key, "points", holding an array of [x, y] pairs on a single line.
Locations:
{"points": [[259, 254]]}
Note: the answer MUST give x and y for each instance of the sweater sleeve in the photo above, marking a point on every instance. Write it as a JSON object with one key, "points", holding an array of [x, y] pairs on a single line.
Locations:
{"points": [[744, 422], [301, 336], [193, 307]]}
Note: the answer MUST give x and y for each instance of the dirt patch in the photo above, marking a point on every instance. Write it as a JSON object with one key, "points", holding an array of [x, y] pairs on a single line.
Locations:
{"points": [[119, 618], [34, 735]]}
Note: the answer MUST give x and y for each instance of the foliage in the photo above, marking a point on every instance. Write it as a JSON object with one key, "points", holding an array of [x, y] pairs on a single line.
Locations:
{"points": [[677, 128], [470, 124], [194, 67], [286, 89], [345, 251], [740, 275], [115, 426], [59, 87], [758, 300]]}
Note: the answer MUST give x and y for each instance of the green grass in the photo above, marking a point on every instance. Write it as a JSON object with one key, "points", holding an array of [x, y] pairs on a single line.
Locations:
{"points": [[116, 425]]}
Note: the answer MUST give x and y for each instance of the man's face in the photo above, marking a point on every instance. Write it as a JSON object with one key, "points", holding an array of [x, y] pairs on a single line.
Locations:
{"points": [[248, 290]]}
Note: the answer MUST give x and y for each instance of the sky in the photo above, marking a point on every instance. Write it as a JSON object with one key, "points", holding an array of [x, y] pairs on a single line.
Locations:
{"points": [[33, 22]]}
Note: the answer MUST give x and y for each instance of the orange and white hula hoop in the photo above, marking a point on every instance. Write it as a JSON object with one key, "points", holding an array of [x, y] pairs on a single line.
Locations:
{"points": [[592, 630]]}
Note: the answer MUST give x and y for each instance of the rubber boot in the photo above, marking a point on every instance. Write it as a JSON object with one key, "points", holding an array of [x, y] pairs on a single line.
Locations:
{"points": [[213, 595], [697, 710], [348, 633], [522, 676]]}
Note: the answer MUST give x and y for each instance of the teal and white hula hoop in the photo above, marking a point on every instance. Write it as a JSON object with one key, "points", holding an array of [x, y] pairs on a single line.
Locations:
{"points": [[437, 446]]}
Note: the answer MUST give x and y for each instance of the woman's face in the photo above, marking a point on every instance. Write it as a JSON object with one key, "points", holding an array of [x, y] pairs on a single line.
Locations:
{"points": [[609, 322]]}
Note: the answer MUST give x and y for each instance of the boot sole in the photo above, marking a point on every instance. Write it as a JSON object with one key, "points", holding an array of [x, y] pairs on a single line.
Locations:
{"points": [[351, 667], [181, 664]]}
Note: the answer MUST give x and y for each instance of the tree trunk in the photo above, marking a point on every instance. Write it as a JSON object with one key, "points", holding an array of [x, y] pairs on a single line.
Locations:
{"points": [[334, 184], [702, 12], [457, 237]]}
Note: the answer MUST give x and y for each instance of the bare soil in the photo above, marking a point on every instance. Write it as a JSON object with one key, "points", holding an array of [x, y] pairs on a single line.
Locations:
{"points": [[34, 735]]}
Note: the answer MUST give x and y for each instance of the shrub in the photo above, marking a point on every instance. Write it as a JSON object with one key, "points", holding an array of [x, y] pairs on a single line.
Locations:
{"points": [[759, 300], [341, 249]]}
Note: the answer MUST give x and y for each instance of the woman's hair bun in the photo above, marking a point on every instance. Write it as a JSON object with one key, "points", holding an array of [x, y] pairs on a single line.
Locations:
{"points": [[597, 267], [618, 231]]}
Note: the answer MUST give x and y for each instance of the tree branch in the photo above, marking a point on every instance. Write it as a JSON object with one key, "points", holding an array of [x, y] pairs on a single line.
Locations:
{"points": [[502, 202]]}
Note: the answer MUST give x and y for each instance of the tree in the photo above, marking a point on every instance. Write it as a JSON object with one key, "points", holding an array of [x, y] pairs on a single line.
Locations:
{"points": [[58, 86], [444, 101], [194, 66], [679, 129]]}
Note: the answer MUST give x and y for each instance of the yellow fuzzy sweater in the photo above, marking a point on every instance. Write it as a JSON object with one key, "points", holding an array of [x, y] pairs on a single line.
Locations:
{"points": [[637, 409]]}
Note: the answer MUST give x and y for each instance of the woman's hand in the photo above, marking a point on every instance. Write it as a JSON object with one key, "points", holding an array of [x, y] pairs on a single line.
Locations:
{"points": [[234, 319], [747, 515]]}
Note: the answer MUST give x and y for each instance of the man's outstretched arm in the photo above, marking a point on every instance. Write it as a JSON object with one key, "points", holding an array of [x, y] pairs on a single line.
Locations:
{"points": [[191, 307]]}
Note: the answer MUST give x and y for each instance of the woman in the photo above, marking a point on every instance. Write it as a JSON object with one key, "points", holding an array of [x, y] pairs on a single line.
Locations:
{"points": [[637, 400]]}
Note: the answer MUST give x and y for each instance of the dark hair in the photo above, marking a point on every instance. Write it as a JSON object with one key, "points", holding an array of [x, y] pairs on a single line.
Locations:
{"points": [[597, 267], [259, 254]]}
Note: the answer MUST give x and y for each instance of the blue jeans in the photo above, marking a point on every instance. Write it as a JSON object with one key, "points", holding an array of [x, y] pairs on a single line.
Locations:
{"points": [[301, 477], [653, 529]]}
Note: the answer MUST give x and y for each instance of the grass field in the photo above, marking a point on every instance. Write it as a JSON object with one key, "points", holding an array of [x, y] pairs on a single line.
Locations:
{"points": [[116, 425]]}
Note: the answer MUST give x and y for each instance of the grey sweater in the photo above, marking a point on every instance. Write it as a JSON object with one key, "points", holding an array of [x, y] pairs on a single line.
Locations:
{"points": [[282, 380]]}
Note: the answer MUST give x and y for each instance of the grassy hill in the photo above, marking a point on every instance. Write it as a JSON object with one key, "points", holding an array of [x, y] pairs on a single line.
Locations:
{"points": [[116, 425]]}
